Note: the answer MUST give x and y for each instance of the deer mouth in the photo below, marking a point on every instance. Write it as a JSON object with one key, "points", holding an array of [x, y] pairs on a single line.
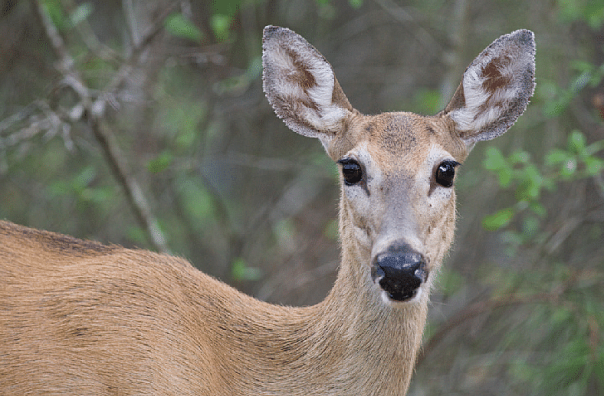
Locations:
{"points": [[400, 272]]}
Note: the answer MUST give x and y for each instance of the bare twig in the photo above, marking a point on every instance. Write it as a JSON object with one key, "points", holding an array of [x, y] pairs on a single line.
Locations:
{"points": [[50, 122], [93, 113], [131, 20], [401, 15], [458, 33], [567, 228], [19, 116], [135, 195], [125, 70], [90, 39], [481, 307]]}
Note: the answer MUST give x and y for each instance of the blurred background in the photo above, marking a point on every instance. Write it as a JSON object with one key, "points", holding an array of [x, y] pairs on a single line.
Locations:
{"points": [[143, 123]]}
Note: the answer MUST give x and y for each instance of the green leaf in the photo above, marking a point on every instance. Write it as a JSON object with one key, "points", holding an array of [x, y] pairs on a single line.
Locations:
{"points": [[355, 3], [160, 163], [556, 156], [594, 14], [576, 142], [494, 159], [137, 235], [505, 177], [594, 147], [582, 66], [561, 315], [538, 209], [241, 272], [59, 189], [569, 10], [221, 25], [593, 165], [226, 8], [532, 181], [496, 162], [498, 220], [97, 195], [177, 25], [55, 12], [427, 101]]}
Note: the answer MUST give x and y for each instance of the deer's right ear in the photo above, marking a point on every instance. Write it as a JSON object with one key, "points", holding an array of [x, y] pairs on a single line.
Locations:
{"points": [[301, 86]]}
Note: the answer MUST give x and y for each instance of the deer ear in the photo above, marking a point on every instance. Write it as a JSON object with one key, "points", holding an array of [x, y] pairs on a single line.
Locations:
{"points": [[495, 88], [301, 86]]}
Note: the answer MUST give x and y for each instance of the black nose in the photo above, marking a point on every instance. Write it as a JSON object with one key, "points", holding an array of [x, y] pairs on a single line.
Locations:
{"points": [[400, 271]]}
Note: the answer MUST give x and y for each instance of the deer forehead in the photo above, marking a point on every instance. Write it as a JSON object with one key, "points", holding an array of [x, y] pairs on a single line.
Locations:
{"points": [[400, 143]]}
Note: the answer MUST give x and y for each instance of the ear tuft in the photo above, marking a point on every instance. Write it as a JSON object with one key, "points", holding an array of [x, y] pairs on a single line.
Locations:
{"points": [[301, 86], [495, 88]]}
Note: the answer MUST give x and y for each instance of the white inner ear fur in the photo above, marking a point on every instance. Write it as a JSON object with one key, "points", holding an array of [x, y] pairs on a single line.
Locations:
{"points": [[474, 118], [328, 116], [483, 107]]}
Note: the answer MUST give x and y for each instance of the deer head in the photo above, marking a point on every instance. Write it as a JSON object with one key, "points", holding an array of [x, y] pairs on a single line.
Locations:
{"points": [[398, 169]]}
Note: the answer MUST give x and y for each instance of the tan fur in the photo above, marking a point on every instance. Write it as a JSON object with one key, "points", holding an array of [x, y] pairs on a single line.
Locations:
{"points": [[81, 318]]}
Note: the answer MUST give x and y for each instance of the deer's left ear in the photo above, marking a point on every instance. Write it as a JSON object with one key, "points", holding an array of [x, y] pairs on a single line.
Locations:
{"points": [[301, 86], [495, 88]]}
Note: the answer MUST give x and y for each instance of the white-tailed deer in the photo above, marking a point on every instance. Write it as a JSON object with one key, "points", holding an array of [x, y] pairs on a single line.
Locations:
{"points": [[81, 318]]}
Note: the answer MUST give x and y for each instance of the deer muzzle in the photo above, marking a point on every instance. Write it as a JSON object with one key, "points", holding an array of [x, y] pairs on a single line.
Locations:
{"points": [[399, 271]]}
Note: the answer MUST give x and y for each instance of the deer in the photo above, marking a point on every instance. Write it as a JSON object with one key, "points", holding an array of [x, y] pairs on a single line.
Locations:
{"points": [[81, 317]]}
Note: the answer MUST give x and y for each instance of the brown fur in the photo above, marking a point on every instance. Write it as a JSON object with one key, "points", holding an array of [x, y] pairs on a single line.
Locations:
{"points": [[78, 317], [134, 322]]}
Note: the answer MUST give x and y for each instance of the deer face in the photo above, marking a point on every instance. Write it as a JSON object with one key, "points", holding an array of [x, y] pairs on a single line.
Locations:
{"points": [[398, 169], [398, 200]]}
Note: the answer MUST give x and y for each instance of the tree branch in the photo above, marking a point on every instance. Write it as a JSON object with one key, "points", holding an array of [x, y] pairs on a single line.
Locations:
{"points": [[480, 307], [93, 113]]}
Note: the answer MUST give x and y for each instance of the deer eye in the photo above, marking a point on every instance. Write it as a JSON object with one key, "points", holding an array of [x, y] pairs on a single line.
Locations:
{"points": [[445, 173], [351, 170]]}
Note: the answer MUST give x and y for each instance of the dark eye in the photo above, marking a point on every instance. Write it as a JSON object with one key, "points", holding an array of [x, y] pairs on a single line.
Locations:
{"points": [[445, 173], [351, 170]]}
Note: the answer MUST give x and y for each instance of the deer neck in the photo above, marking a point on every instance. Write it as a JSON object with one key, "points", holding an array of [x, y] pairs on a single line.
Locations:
{"points": [[352, 343], [375, 341]]}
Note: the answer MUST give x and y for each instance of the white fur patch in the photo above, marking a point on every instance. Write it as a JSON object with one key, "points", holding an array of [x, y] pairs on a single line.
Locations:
{"points": [[496, 87], [306, 108], [416, 299], [482, 107]]}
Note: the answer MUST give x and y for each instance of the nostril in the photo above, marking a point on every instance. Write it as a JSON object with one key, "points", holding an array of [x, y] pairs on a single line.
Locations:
{"points": [[377, 273], [400, 272]]}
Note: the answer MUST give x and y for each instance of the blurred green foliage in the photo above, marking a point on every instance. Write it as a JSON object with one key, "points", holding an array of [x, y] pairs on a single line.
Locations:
{"points": [[179, 26], [577, 161], [569, 301], [253, 205]]}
